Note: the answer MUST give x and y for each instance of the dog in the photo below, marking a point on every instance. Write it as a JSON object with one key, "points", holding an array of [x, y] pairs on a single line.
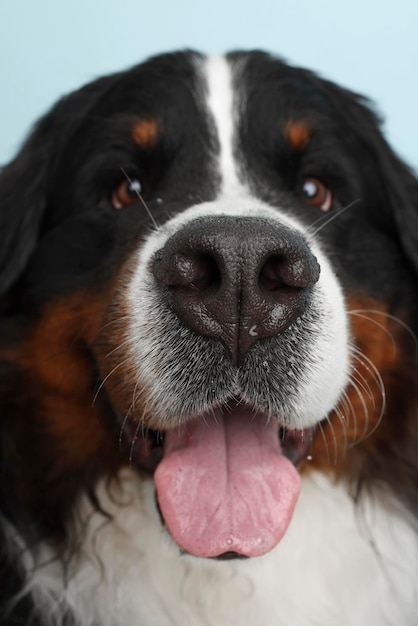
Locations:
{"points": [[208, 362]]}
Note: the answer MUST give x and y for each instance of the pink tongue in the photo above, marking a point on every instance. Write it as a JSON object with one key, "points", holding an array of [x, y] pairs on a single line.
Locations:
{"points": [[224, 486]]}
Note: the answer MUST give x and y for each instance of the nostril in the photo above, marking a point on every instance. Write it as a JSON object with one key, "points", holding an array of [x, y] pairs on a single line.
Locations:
{"points": [[190, 271], [206, 273], [270, 278], [298, 269]]}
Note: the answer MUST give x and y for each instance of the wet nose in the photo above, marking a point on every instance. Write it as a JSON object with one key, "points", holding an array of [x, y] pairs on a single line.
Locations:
{"points": [[237, 279]]}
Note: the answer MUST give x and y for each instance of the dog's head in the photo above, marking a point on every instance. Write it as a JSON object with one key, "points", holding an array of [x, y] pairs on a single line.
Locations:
{"points": [[208, 271]]}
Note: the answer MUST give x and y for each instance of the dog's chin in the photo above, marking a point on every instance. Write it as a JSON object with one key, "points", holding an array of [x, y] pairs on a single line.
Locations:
{"points": [[226, 480]]}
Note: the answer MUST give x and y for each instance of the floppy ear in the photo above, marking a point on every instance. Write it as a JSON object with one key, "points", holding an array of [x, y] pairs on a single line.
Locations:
{"points": [[23, 202], [397, 191], [24, 182], [402, 190]]}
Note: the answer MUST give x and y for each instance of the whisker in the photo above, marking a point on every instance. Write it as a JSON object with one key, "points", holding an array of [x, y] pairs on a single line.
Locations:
{"points": [[331, 217], [343, 423], [372, 369], [334, 440], [365, 409], [112, 322], [134, 440], [118, 347], [122, 428], [364, 384], [394, 318], [125, 419], [321, 430], [347, 404], [353, 417], [150, 215], [107, 377], [376, 323]]}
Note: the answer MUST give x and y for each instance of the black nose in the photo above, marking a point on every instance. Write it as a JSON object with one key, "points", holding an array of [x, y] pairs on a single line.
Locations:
{"points": [[237, 279]]}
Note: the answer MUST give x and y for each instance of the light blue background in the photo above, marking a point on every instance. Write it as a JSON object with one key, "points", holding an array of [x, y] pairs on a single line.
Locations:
{"points": [[48, 47]]}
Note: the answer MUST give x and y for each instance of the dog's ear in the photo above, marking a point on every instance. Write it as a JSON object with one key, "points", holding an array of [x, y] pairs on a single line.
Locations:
{"points": [[402, 191], [23, 202], [25, 181], [394, 183]]}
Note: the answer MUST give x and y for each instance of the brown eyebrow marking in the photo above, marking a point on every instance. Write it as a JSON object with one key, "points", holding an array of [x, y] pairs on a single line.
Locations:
{"points": [[298, 134], [145, 133]]}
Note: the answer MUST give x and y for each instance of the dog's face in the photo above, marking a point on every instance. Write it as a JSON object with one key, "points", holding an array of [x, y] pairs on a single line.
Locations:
{"points": [[210, 268]]}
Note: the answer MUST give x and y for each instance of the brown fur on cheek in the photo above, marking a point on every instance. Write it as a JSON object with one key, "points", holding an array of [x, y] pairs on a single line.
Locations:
{"points": [[117, 367], [61, 434], [371, 433], [60, 360]]}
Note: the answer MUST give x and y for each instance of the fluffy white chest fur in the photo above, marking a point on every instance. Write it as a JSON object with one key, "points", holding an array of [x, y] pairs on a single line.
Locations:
{"points": [[338, 564]]}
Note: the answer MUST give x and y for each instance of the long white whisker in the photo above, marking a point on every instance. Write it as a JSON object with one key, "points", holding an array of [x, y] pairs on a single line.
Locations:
{"points": [[107, 377], [395, 319], [364, 405], [348, 405], [122, 428], [334, 216], [141, 199], [334, 441], [353, 417], [118, 347], [134, 440], [321, 430], [379, 325], [343, 423], [125, 419], [370, 366], [364, 385], [362, 381], [117, 320]]}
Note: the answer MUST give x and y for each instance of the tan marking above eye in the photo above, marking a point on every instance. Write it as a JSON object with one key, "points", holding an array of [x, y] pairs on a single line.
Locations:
{"points": [[298, 135], [145, 133]]}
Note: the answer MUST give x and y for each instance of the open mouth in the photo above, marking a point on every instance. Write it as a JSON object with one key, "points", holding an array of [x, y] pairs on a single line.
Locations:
{"points": [[226, 481]]}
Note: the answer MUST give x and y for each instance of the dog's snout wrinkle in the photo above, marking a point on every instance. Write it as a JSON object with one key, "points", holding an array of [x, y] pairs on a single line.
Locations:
{"points": [[237, 279]]}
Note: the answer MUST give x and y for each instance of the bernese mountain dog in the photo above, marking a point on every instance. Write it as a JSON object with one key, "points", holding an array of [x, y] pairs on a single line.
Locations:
{"points": [[208, 361]]}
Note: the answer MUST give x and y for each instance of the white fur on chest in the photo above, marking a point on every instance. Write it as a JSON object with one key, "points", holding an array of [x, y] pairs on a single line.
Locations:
{"points": [[336, 565]]}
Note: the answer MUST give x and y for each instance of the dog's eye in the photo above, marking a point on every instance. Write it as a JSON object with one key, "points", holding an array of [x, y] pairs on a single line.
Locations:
{"points": [[316, 193], [128, 192]]}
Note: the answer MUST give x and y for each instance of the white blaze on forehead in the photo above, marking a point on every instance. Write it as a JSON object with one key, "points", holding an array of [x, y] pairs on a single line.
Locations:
{"points": [[218, 75]]}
